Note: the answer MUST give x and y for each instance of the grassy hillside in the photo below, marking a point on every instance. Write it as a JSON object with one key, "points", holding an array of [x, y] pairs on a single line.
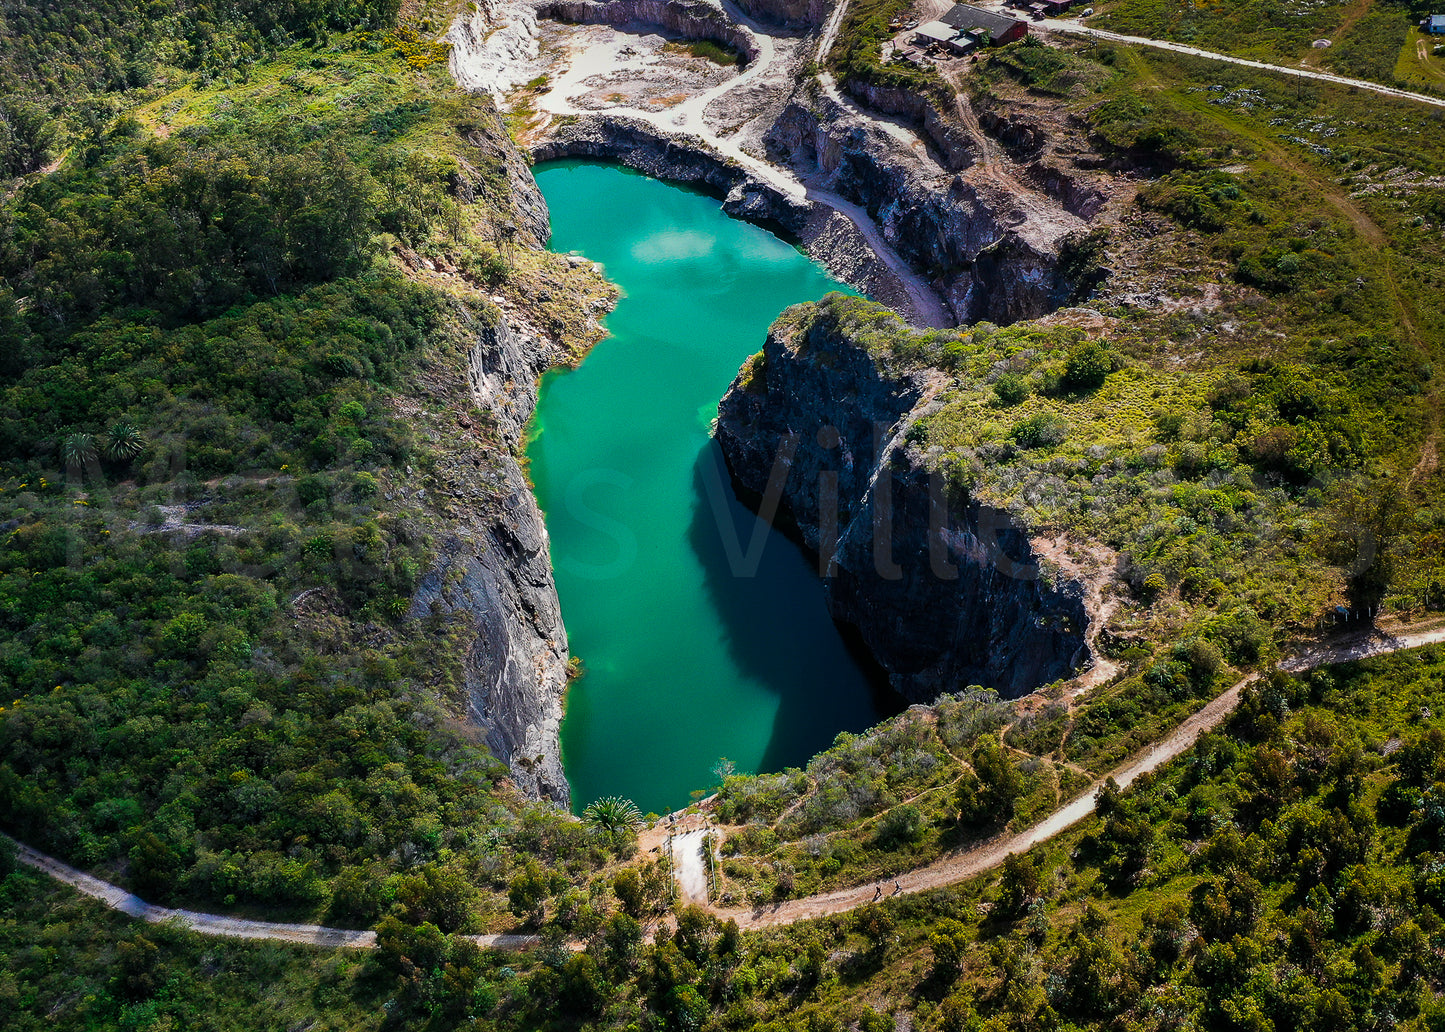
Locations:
{"points": [[1373, 40]]}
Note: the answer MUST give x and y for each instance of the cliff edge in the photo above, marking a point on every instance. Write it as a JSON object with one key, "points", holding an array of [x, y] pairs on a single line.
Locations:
{"points": [[944, 590]]}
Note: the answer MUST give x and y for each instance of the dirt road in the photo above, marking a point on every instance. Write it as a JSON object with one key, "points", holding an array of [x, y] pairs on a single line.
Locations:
{"points": [[1073, 27], [687, 846], [965, 864]]}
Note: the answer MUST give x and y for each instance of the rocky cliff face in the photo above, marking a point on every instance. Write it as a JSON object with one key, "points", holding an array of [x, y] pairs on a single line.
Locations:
{"points": [[829, 237], [494, 152], [944, 591], [492, 577], [952, 144], [494, 572], [640, 146], [690, 19], [791, 14], [989, 259]]}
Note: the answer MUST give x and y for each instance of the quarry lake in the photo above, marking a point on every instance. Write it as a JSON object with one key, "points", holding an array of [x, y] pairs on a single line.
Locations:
{"points": [[687, 657]]}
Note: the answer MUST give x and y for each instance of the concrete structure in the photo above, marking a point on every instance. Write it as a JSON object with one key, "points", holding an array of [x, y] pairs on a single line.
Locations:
{"points": [[946, 36]]}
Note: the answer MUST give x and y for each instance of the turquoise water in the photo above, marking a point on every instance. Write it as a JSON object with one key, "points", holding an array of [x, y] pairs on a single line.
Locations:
{"points": [[689, 656]]}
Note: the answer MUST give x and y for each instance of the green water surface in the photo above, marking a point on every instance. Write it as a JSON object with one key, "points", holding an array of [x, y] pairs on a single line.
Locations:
{"points": [[690, 653]]}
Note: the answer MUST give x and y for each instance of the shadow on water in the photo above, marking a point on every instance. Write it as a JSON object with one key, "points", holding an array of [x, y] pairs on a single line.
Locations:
{"points": [[776, 624]]}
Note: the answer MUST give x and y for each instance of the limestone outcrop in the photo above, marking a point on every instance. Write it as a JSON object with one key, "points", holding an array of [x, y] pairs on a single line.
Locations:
{"points": [[690, 19], [987, 258], [944, 591], [494, 571]]}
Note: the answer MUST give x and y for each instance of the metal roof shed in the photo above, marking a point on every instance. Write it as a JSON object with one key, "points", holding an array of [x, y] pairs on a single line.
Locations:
{"points": [[1002, 28], [934, 32]]}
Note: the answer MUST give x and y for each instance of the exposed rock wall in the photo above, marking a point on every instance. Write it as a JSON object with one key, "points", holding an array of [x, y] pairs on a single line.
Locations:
{"points": [[495, 571], [691, 19], [509, 185], [1022, 138], [944, 591], [988, 259], [1075, 194], [493, 46], [791, 14], [955, 149], [829, 237], [678, 159]]}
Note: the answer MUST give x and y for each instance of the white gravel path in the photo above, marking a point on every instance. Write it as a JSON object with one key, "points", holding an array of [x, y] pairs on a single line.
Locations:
{"points": [[688, 865]]}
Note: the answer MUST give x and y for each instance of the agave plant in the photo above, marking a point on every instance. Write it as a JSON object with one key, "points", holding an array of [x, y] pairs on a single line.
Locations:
{"points": [[76, 450], [612, 815], [124, 442]]}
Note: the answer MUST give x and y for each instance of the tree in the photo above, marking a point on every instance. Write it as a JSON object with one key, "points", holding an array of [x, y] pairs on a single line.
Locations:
{"points": [[123, 442], [1018, 887], [1223, 908], [355, 896], [27, 133], [628, 887], [1010, 389], [987, 796], [443, 897], [1127, 843], [621, 944], [584, 990], [408, 949], [1098, 981], [900, 826], [154, 865], [138, 970], [875, 924], [949, 943], [1088, 366], [77, 451], [527, 893], [1364, 544], [613, 817]]}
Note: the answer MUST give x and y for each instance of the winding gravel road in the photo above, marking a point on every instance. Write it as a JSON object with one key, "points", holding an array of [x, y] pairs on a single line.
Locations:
{"points": [[953, 868], [1074, 28]]}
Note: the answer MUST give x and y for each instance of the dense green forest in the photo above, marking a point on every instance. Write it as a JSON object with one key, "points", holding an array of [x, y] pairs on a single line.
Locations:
{"points": [[1284, 874], [212, 528], [65, 69]]}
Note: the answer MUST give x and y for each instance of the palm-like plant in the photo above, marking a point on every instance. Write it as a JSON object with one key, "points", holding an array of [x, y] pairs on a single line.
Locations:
{"points": [[612, 816], [76, 450], [123, 442]]}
